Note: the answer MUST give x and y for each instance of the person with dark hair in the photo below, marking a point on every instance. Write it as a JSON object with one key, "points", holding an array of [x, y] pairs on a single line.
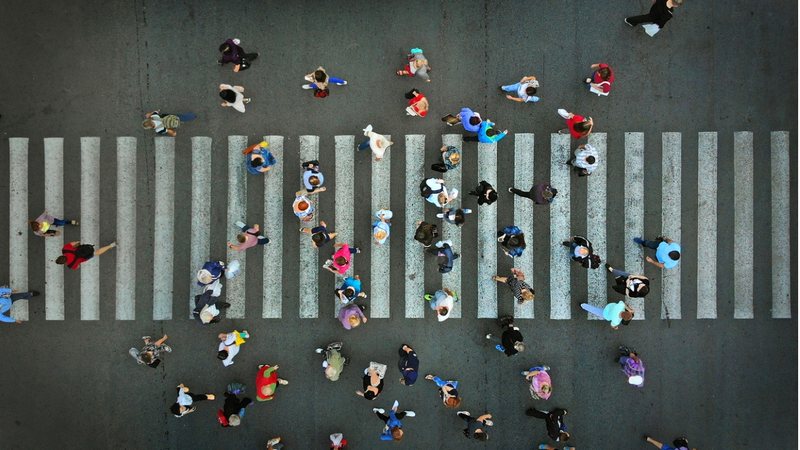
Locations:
{"points": [[45, 225], [233, 96], [442, 302], [73, 254], [660, 13], [616, 313], [165, 123], [487, 134], [393, 430], [525, 90], [319, 234], [511, 341], [7, 298], [512, 240], [233, 53], [635, 286], [577, 126], [522, 291], [426, 233], [149, 354], [469, 119], [340, 261], [668, 252], [451, 158], [445, 255], [417, 65], [556, 428], [229, 344], [586, 160], [476, 427], [680, 443], [408, 365], [258, 159], [454, 216], [185, 402], [249, 237], [373, 381], [319, 79], [541, 193], [350, 290], [448, 391], [631, 365], [580, 250], [313, 177], [417, 103], [600, 81], [485, 192]]}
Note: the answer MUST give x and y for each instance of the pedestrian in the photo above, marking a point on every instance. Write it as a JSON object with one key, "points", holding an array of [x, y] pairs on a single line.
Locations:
{"points": [[417, 103], [485, 192], [601, 79], [235, 54], [45, 225], [408, 365], [525, 90], [476, 428], [434, 191], [313, 177], [274, 443], [233, 96], [632, 366], [165, 123], [233, 409], [541, 387], [577, 126], [382, 226], [660, 13], [451, 158], [229, 344], [149, 354], [668, 252], [319, 234], [448, 391], [512, 240], [73, 254], [338, 442], [426, 233], [249, 237], [352, 315], [208, 308], [208, 277], [303, 207], [487, 134], [373, 381], [393, 428], [580, 250], [616, 313], [341, 259], [417, 65], [511, 341], [454, 216], [469, 119], [445, 255], [258, 159], [680, 443], [556, 428], [634, 286], [7, 298], [185, 404], [540, 193], [334, 360], [522, 291], [377, 142], [350, 290], [267, 382], [585, 160], [550, 447], [319, 80], [442, 302]]}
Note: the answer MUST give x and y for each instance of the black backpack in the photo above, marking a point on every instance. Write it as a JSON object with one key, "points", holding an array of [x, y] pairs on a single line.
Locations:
{"points": [[426, 191]]}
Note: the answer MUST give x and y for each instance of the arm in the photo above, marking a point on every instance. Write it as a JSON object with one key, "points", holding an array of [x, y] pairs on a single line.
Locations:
{"points": [[171, 132], [484, 417], [654, 262], [161, 341], [317, 190], [528, 78], [514, 99], [594, 66], [75, 243], [233, 246]]}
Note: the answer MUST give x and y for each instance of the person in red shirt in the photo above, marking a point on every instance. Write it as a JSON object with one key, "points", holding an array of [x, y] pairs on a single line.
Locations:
{"points": [[74, 253], [417, 103], [577, 126], [600, 81]]}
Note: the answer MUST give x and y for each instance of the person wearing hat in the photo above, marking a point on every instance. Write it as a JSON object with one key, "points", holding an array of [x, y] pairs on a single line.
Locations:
{"points": [[448, 391], [334, 360], [319, 234], [73, 254], [512, 240], [165, 123], [233, 96], [185, 402], [267, 382], [485, 192], [541, 193], [616, 313], [451, 158], [258, 159], [45, 225], [229, 345], [585, 160], [417, 65], [382, 226], [393, 430], [632, 366], [149, 354], [8, 297], [476, 427], [442, 302], [233, 410], [510, 342], [635, 286], [352, 315], [445, 255], [487, 134], [668, 252], [426, 233], [313, 177], [350, 290], [556, 428], [207, 307], [249, 237], [580, 250], [408, 365], [377, 142], [522, 291], [680, 443], [525, 90]]}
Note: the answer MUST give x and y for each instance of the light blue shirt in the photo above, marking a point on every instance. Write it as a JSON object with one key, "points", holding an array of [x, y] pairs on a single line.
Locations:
{"points": [[612, 313], [662, 254], [5, 305]]}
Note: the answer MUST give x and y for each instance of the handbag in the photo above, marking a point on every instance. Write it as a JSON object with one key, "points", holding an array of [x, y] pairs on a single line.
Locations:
{"points": [[321, 93], [651, 29], [379, 368]]}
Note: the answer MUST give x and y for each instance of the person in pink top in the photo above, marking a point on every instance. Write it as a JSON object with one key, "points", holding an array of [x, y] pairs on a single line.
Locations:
{"points": [[249, 237], [340, 261]]}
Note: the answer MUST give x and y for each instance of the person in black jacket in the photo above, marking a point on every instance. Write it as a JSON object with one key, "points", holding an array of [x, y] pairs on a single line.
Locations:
{"points": [[511, 339], [580, 250], [635, 286], [233, 410], [556, 428], [485, 192], [445, 255], [659, 14], [408, 365]]}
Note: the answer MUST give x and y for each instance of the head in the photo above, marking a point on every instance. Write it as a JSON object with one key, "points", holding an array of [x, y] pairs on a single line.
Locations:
{"points": [[605, 73], [61, 260], [146, 357], [222, 336], [318, 239], [442, 310], [313, 180], [412, 93], [583, 251], [491, 195], [175, 409], [234, 420], [340, 260], [222, 355], [34, 225], [350, 292], [256, 161], [519, 346], [454, 158], [582, 127], [590, 159], [526, 294], [675, 255], [481, 436], [302, 205], [397, 433], [514, 241], [354, 320], [148, 124], [491, 132], [319, 75], [452, 402], [421, 235], [546, 388], [224, 48], [459, 217], [380, 234], [207, 316], [228, 95], [474, 121], [241, 238], [530, 90], [563, 436], [626, 315], [442, 197], [267, 390], [643, 289]]}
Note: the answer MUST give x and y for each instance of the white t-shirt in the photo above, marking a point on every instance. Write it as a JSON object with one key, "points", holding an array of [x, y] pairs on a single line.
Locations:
{"points": [[233, 349], [374, 139]]}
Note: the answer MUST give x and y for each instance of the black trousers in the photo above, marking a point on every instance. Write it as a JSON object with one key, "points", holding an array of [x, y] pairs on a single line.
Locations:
{"points": [[644, 18], [528, 194]]}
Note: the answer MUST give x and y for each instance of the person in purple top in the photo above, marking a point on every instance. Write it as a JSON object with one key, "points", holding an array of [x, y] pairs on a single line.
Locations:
{"points": [[632, 366]]}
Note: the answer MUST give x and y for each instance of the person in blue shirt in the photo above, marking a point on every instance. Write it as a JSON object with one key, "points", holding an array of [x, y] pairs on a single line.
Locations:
{"points": [[512, 240], [350, 290], [393, 430], [7, 298], [525, 90], [469, 119], [668, 252], [487, 133], [258, 159]]}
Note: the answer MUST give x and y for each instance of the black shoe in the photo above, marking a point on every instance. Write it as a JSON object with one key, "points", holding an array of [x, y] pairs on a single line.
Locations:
{"points": [[34, 293], [628, 23], [566, 243], [224, 305]]}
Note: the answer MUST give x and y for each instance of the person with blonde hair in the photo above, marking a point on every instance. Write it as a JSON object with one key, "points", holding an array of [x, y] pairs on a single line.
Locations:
{"points": [[382, 226], [448, 391], [511, 341], [352, 315], [451, 158], [417, 65]]}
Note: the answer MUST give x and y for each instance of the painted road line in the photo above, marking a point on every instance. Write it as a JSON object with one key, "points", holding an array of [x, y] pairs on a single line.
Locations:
{"points": [[90, 225], [781, 226], [452, 179], [671, 219], [634, 211], [523, 213], [237, 211], [54, 204], [18, 229], [309, 263], [560, 304], [272, 295], [163, 229], [344, 149], [596, 223], [201, 212], [379, 258], [415, 211], [743, 225], [707, 225], [126, 229], [487, 230]]}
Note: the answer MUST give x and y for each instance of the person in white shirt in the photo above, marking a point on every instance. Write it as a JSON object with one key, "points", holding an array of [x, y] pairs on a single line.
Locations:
{"points": [[435, 192], [233, 96], [377, 142], [586, 160], [229, 345]]}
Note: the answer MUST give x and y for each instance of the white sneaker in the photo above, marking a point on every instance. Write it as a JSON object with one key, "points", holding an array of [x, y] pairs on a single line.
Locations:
{"points": [[489, 336], [411, 414], [240, 224], [378, 410], [319, 350], [367, 130], [395, 404], [344, 83], [307, 86], [466, 413]]}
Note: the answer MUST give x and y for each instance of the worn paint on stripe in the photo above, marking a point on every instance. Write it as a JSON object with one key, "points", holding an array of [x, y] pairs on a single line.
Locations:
{"points": [[90, 225], [345, 202], [781, 226], [201, 212], [671, 219], [309, 263], [18, 229], [163, 229], [452, 179], [54, 204], [237, 211], [560, 304], [126, 229], [379, 258], [707, 225], [634, 211], [487, 232], [743, 225], [523, 213], [596, 223], [415, 212], [272, 296]]}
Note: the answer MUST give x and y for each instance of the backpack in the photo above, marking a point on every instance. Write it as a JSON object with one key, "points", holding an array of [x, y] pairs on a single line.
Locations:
{"points": [[426, 191], [235, 388], [321, 93]]}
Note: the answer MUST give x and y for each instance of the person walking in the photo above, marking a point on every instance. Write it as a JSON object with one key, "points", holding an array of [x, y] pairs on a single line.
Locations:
{"points": [[426, 233], [233, 53], [377, 142], [577, 126], [166, 123], [267, 382], [540, 193], [341, 259], [149, 354], [229, 344], [313, 177], [352, 315], [487, 134], [476, 427], [442, 302], [393, 428], [7, 298], [550, 447], [185, 404], [350, 290], [512, 240], [233, 96], [334, 360], [680, 443], [208, 308], [469, 119], [209, 276], [73, 254], [634, 286], [418, 104], [525, 90], [454, 216], [233, 409], [485, 192], [408, 365], [338, 442], [275, 444], [451, 158], [511, 341], [445, 255], [382, 226], [541, 387], [319, 234], [45, 225], [581, 251], [417, 65], [258, 160], [616, 313], [601, 79], [448, 391], [660, 13], [303, 207], [631, 365], [522, 291], [556, 428], [319, 80], [585, 160], [668, 252], [435, 192], [373, 381], [249, 237]]}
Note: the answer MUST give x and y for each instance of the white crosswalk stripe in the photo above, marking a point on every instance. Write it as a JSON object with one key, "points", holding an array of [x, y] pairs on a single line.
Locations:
{"points": [[707, 226], [90, 225], [54, 204], [163, 228], [126, 229], [781, 226], [487, 232], [201, 212], [237, 211], [634, 211], [18, 222], [523, 214], [309, 261], [415, 212], [560, 305], [452, 179], [743, 225], [272, 306], [596, 223], [344, 193], [671, 220], [379, 258]]}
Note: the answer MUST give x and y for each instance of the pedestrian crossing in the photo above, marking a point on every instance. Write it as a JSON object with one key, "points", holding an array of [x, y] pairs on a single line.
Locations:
{"points": [[288, 294]]}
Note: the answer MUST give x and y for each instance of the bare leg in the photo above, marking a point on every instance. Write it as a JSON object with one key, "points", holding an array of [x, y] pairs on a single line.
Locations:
{"points": [[102, 250], [654, 442]]}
